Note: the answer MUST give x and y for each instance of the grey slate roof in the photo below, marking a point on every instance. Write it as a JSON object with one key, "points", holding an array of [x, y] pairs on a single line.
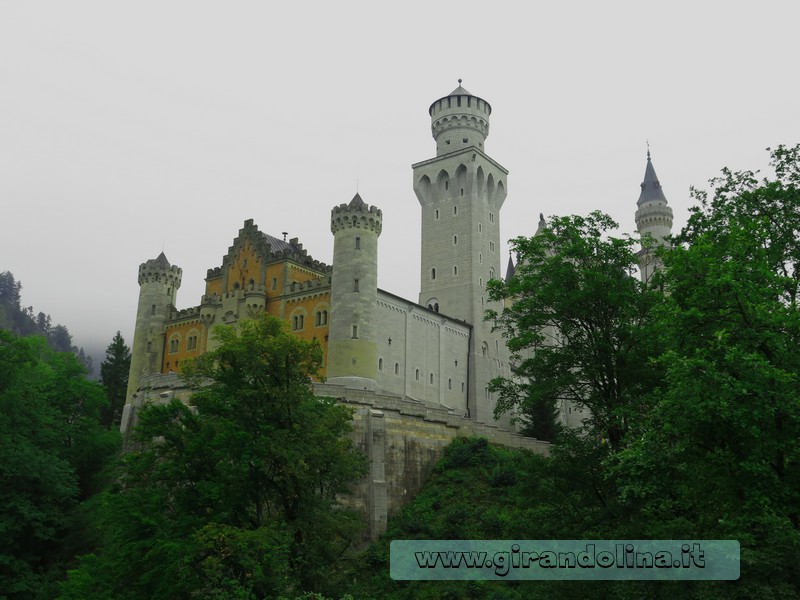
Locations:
{"points": [[356, 202], [161, 260], [510, 270], [277, 245], [651, 187], [459, 91]]}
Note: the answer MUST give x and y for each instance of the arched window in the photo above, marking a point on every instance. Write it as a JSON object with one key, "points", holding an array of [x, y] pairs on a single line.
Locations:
{"points": [[416, 374], [433, 273], [397, 368], [380, 364], [431, 378]]}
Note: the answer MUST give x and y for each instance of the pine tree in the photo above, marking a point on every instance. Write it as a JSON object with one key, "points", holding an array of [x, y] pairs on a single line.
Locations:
{"points": [[114, 377]]}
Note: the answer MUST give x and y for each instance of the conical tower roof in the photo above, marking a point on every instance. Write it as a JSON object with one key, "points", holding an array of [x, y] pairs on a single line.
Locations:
{"points": [[651, 187], [356, 202], [510, 270]]}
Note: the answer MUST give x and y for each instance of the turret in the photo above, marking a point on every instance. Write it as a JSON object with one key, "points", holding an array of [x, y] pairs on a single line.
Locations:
{"points": [[653, 217], [459, 120], [352, 349], [158, 285]]}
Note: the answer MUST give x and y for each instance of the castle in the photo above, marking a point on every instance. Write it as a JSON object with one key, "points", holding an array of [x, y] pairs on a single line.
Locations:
{"points": [[430, 359]]}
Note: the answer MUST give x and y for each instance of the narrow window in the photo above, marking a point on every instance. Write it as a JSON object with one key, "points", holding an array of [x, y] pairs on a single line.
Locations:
{"points": [[462, 387], [317, 318], [153, 309], [491, 246], [169, 291], [433, 273], [380, 364], [449, 384], [464, 140], [480, 281], [491, 273], [446, 185], [459, 101], [355, 285], [358, 243], [436, 307], [480, 228], [416, 374], [324, 317], [149, 346], [431, 378], [455, 210], [436, 214], [355, 331], [462, 191], [455, 271], [397, 368], [274, 283], [455, 240], [480, 257]]}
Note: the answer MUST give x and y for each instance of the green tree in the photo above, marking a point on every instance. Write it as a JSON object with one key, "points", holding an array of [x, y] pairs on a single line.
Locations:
{"points": [[720, 453], [235, 495], [578, 326], [51, 449], [114, 377]]}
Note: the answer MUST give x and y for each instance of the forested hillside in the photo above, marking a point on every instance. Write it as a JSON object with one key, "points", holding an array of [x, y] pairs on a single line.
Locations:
{"points": [[23, 321]]}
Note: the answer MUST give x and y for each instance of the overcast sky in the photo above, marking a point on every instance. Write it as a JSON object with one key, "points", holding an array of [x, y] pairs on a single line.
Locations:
{"points": [[125, 127]]}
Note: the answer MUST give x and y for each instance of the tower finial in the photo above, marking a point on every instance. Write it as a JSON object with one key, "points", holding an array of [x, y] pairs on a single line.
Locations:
{"points": [[648, 149], [459, 82]]}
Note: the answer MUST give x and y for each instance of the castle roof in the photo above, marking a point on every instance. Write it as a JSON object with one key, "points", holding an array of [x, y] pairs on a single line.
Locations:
{"points": [[356, 202], [277, 245], [459, 91], [651, 187], [510, 270], [160, 261]]}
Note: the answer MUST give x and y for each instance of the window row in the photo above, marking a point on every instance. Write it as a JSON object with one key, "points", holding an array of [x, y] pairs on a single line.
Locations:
{"points": [[298, 320], [431, 377], [174, 344]]}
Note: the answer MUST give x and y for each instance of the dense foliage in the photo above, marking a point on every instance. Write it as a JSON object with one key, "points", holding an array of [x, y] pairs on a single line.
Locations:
{"points": [[233, 497], [580, 328], [51, 449]]}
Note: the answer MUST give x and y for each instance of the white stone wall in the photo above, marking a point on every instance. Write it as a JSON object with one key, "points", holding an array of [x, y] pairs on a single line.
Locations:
{"points": [[424, 341]]}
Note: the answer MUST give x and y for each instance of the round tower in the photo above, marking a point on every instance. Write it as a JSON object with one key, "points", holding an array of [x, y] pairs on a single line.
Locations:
{"points": [[352, 349], [459, 120], [653, 217], [158, 285]]}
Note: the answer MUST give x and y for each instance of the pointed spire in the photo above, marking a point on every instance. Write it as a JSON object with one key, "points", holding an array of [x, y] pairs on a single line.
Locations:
{"points": [[510, 270], [356, 202], [542, 224], [651, 187], [161, 260]]}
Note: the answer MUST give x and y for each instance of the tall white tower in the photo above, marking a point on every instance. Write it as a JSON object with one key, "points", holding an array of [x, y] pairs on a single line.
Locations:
{"points": [[352, 342], [461, 191], [653, 217]]}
